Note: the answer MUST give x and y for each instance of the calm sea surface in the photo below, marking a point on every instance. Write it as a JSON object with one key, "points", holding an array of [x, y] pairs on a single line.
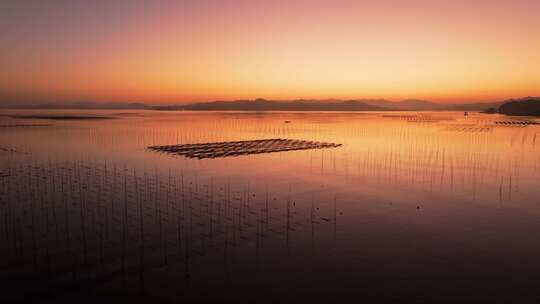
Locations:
{"points": [[413, 207]]}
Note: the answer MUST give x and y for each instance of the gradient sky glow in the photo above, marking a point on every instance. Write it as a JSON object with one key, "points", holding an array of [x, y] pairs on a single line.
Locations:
{"points": [[194, 50]]}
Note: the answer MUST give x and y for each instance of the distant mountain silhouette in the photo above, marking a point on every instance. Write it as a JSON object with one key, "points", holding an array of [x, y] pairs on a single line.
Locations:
{"points": [[415, 104], [477, 106], [528, 106], [271, 105], [408, 104], [268, 105], [329, 105], [424, 105]]}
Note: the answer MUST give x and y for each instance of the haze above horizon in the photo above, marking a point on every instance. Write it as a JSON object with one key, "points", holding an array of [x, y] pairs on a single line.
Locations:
{"points": [[188, 51]]}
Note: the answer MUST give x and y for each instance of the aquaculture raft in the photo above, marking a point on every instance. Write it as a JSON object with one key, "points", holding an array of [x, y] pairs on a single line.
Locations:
{"points": [[237, 148], [519, 123]]}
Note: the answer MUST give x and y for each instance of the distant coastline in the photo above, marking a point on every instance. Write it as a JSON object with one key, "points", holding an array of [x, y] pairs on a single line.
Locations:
{"points": [[523, 106], [268, 105]]}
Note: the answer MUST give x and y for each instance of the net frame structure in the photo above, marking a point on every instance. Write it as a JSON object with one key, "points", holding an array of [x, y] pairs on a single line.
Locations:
{"points": [[239, 148]]}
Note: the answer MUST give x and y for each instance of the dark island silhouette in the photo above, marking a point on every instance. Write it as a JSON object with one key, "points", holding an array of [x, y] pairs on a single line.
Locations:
{"points": [[528, 106]]}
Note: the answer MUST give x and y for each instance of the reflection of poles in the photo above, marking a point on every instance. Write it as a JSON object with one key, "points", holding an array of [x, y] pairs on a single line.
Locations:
{"points": [[248, 198], [19, 227], [102, 250], [100, 185], [141, 232], [33, 221], [226, 247], [178, 219], [335, 216], [124, 229], [101, 228], [288, 217], [156, 197], [187, 244], [167, 219], [8, 215], [70, 180], [162, 245], [500, 190], [257, 240], [266, 202], [510, 188], [312, 220], [82, 215], [53, 194], [211, 208], [113, 192], [183, 196], [44, 209], [106, 184]]}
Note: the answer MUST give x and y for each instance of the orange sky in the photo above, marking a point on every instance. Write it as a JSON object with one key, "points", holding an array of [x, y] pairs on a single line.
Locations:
{"points": [[195, 50]]}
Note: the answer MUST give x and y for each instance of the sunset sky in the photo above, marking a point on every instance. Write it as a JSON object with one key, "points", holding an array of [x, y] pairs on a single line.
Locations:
{"points": [[197, 50]]}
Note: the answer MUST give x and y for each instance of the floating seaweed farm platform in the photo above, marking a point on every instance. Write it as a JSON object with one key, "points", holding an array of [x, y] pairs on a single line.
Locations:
{"points": [[518, 123], [237, 148]]}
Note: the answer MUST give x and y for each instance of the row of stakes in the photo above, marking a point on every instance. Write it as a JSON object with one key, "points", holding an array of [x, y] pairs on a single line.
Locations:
{"points": [[66, 222]]}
